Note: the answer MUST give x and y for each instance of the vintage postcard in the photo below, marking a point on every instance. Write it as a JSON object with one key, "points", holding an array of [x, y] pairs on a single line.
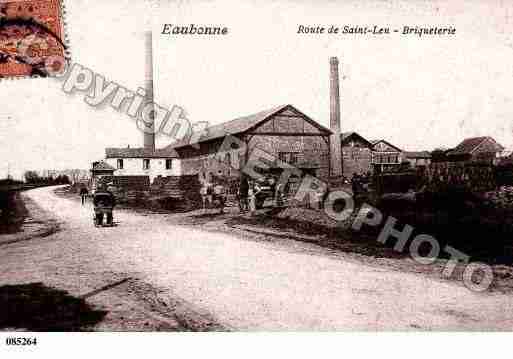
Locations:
{"points": [[32, 41], [248, 166]]}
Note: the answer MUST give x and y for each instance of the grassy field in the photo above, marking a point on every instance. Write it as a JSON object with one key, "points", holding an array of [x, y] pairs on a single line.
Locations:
{"points": [[12, 211]]}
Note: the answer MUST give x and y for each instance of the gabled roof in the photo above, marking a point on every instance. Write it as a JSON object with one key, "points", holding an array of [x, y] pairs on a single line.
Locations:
{"points": [[469, 145], [346, 136], [418, 154], [102, 166], [139, 152], [375, 142], [243, 124]]}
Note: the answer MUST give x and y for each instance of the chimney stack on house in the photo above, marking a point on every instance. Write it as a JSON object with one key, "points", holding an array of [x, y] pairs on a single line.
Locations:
{"points": [[336, 149], [149, 135]]}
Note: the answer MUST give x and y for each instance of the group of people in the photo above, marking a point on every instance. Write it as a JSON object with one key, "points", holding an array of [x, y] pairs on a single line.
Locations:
{"points": [[360, 183], [251, 194], [213, 195]]}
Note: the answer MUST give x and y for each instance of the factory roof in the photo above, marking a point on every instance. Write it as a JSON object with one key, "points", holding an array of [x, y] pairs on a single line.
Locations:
{"points": [[346, 136], [243, 124], [139, 152]]}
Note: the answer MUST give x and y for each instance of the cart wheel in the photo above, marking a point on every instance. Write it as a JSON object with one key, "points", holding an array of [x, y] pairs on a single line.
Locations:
{"points": [[99, 219]]}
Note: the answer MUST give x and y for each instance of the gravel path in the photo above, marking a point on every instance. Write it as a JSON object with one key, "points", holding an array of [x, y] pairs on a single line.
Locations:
{"points": [[248, 285]]}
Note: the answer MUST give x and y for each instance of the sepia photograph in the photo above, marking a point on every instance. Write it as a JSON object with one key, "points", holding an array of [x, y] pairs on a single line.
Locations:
{"points": [[274, 167]]}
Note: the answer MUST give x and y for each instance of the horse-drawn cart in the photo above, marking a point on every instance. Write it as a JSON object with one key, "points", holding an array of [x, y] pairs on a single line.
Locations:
{"points": [[103, 203]]}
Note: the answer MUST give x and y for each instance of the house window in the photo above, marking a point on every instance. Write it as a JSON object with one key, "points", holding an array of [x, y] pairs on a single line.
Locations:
{"points": [[169, 164], [288, 157], [146, 164], [120, 164], [293, 158]]}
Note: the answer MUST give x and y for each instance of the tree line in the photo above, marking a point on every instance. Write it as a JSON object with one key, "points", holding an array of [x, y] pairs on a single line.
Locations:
{"points": [[32, 177]]}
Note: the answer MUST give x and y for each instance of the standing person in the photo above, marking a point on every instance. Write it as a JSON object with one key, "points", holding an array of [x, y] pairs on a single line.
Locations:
{"points": [[243, 193], [219, 194], [83, 194], [205, 191], [259, 197], [251, 197], [271, 181], [279, 194], [355, 184]]}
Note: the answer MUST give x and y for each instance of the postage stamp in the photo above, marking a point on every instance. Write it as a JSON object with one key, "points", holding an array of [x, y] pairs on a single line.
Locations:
{"points": [[32, 39]]}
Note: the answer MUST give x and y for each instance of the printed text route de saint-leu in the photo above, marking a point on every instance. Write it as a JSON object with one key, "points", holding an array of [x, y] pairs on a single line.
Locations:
{"points": [[376, 30]]}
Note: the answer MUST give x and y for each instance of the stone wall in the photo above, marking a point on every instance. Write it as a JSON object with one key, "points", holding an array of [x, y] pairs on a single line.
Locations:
{"points": [[311, 153]]}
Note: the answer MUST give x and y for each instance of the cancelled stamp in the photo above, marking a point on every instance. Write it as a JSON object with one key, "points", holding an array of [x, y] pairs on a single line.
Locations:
{"points": [[32, 39]]}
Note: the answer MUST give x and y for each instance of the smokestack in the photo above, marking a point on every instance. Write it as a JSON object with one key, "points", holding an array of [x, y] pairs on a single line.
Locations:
{"points": [[336, 150], [149, 136]]}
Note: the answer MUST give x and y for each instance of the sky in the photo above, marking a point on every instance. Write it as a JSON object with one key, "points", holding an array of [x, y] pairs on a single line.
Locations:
{"points": [[417, 93]]}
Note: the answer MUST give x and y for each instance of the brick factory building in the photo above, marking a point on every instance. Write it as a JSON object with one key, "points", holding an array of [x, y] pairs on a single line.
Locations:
{"points": [[284, 133], [356, 154]]}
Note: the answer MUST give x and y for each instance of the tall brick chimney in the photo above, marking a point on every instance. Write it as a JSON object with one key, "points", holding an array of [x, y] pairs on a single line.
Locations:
{"points": [[335, 150], [149, 136]]}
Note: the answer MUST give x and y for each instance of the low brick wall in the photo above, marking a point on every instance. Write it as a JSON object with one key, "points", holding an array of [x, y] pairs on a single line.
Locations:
{"points": [[170, 192], [129, 189], [176, 192]]}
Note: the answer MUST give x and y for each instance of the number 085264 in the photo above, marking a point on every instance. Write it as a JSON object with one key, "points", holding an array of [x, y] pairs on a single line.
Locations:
{"points": [[21, 341]]}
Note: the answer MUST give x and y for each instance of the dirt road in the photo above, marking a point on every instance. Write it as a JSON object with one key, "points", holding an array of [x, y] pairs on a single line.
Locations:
{"points": [[228, 282]]}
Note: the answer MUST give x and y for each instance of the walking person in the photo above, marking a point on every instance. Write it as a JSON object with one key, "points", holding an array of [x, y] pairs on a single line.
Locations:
{"points": [[83, 194]]}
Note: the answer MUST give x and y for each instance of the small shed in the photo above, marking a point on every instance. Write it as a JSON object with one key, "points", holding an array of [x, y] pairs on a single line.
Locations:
{"points": [[100, 169]]}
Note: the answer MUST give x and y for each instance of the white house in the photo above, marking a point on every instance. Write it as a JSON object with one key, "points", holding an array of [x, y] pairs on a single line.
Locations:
{"points": [[141, 162]]}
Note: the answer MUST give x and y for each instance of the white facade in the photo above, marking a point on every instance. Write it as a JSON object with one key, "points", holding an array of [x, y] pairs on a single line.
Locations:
{"points": [[136, 167]]}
